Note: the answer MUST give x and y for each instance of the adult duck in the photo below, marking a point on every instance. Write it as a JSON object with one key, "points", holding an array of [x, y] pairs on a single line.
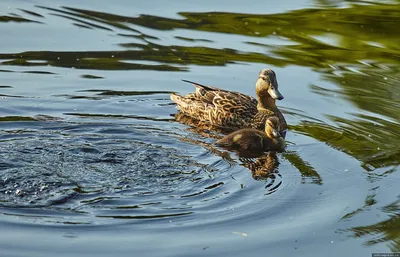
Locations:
{"points": [[229, 109]]}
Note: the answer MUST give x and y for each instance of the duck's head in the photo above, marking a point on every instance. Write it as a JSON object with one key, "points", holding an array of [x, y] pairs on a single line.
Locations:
{"points": [[272, 127], [267, 86]]}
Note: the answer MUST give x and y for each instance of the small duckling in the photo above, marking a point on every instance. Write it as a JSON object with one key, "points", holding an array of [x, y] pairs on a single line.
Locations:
{"points": [[255, 140]]}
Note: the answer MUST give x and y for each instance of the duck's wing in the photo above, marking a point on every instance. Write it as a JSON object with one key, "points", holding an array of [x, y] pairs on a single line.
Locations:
{"points": [[223, 99], [218, 107], [235, 103]]}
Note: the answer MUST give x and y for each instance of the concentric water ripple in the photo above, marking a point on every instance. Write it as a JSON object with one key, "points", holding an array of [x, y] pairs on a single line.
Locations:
{"points": [[114, 173]]}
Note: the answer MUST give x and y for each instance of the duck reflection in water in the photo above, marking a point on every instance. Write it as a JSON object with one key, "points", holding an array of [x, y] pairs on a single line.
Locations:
{"points": [[261, 165], [264, 166]]}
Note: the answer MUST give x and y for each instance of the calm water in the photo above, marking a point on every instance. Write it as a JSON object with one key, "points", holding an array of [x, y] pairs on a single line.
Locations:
{"points": [[93, 163]]}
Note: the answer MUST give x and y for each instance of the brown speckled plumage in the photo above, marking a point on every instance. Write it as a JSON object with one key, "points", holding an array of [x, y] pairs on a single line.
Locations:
{"points": [[263, 167], [229, 109], [255, 140]]}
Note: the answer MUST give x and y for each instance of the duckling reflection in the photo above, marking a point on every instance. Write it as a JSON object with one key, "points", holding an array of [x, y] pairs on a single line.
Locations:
{"points": [[262, 168], [255, 140]]}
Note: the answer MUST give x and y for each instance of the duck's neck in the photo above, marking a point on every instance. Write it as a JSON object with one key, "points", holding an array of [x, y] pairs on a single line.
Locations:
{"points": [[266, 102]]}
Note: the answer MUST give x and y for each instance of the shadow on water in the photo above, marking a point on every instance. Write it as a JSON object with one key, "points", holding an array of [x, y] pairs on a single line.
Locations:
{"points": [[104, 163]]}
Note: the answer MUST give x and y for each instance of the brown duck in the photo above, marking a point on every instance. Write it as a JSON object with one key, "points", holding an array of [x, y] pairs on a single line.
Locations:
{"points": [[229, 109], [255, 140]]}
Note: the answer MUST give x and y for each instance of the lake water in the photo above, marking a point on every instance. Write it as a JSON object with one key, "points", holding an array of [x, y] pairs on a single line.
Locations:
{"points": [[93, 162]]}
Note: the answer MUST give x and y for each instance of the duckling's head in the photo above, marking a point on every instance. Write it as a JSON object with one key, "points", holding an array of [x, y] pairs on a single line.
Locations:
{"points": [[267, 86], [272, 127]]}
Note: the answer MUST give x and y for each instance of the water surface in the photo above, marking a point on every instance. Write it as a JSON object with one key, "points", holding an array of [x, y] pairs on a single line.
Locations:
{"points": [[94, 163]]}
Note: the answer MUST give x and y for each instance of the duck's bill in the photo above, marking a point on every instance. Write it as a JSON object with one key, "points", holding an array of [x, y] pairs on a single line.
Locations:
{"points": [[275, 133], [283, 133], [275, 94]]}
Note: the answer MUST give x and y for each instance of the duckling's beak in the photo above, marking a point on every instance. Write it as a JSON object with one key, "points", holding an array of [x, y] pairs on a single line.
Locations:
{"points": [[274, 93], [275, 133]]}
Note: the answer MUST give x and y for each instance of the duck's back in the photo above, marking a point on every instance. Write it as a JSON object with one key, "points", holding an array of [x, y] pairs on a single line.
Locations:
{"points": [[247, 139], [219, 107]]}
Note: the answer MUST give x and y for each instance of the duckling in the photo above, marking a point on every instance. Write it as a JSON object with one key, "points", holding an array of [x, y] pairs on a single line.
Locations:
{"points": [[251, 139], [234, 110]]}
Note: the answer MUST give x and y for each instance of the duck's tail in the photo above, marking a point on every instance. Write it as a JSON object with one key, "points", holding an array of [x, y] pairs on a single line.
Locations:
{"points": [[178, 99], [191, 82], [197, 85], [189, 105]]}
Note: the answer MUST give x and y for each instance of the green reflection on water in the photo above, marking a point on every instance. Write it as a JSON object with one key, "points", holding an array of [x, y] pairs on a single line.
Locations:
{"points": [[388, 230], [320, 37]]}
